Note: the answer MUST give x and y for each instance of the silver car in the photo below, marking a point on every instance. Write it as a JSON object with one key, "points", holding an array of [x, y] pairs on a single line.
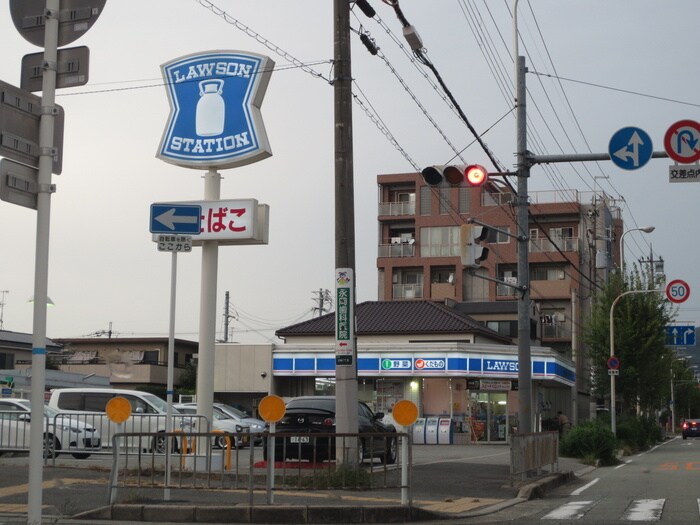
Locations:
{"points": [[61, 434], [230, 419]]}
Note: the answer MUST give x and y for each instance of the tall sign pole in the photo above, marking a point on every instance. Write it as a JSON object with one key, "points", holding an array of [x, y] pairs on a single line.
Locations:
{"points": [[41, 268], [346, 365]]}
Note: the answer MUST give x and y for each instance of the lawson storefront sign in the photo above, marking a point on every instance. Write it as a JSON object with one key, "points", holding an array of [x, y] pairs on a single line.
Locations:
{"points": [[215, 119], [452, 364]]}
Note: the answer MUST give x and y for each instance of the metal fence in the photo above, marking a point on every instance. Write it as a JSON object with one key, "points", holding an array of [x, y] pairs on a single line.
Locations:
{"points": [[530, 452], [303, 463]]}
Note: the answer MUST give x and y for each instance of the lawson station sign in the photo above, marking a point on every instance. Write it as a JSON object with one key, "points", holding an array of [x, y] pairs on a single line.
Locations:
{"points": [[215, 119]]}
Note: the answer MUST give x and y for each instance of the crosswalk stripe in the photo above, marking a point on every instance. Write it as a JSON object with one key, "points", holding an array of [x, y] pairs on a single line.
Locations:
{"points": [[573, 510], [644, 510]]}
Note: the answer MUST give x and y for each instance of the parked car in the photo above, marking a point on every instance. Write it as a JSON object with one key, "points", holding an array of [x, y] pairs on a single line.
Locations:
{"points": [[148, 414], [690, 428], [222, 412], [60, 433], [309, 415], [239, 432]]}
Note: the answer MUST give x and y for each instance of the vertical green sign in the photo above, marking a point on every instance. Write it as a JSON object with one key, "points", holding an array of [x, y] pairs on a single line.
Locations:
{"points": [[344, 317]]}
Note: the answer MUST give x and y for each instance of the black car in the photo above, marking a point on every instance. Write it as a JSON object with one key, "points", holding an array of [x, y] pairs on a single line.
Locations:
{"points": [[691, 428], [307, 431]]}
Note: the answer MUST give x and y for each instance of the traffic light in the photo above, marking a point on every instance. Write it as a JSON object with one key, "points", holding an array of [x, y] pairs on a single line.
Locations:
{"points": [[473, 174], [471, 240]]}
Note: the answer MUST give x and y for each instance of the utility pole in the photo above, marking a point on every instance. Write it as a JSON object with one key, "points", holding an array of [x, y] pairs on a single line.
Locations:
{"points": [[345, 372], [2, 306], [323, 297]]}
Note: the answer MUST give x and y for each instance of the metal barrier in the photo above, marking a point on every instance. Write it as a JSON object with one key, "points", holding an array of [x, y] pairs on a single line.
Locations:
{"points": [[531, 452], [196, 463]]}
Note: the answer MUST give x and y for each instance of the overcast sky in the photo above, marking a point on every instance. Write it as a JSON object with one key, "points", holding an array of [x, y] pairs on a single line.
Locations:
{"points": [[621, 63]]}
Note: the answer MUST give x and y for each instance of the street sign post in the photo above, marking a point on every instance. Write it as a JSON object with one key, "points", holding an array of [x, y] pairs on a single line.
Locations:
{"points": [[20, 117], [682, 141], [74, 19], [630, 148], [175, 218], [677, 291], [613, 363], [72, 69], [19, 184], [680, 335]]}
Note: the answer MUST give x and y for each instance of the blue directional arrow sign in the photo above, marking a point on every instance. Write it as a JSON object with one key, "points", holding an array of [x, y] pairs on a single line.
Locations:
{"points": [[176, 218], [680, 335], [630, 148]]}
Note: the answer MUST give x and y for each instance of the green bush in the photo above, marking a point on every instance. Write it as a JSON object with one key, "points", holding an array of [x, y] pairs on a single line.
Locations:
{"points": [[590, 440], [639, 433]]}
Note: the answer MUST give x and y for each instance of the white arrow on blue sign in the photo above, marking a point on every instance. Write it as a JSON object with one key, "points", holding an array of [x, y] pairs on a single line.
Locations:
{"points": [[630, 148], [680, 335], [176, 218]]}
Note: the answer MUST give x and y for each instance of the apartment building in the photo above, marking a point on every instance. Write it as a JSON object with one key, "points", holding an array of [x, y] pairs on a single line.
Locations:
{"points": [[572, 247]]}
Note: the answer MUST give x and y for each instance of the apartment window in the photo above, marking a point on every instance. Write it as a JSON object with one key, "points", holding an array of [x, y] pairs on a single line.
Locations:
{"points": [[425, 193], [506, 328], [561, 233], [7, 361], [443, 275], [547, 273], [445, 204], [463, 199], [440, 241], [496, 237]]}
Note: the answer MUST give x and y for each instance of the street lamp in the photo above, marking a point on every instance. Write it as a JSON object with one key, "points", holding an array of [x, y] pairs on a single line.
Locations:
{"points": [[613, 416], [645, 229]]}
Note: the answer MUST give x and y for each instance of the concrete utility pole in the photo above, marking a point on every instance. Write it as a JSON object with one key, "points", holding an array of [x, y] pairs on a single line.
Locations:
{"points": [[345, 375]]}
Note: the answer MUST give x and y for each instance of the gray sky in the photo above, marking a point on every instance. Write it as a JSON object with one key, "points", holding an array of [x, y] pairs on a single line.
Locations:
{"points": [[105, 269]]}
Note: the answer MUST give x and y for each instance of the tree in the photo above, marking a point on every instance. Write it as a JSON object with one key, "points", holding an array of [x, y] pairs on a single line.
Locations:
{"points": [[640, 320]]}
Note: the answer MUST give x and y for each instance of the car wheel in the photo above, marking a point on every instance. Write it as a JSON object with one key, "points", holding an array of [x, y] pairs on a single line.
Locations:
{"points": [[159, 444], [51, 446], [220, 441], [80, 456], [390, 454]]}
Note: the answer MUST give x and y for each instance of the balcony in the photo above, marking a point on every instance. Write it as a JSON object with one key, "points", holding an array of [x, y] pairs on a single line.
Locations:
{"points": [[396, 209], [397, 250], [556, 331], [564, 244], [407, 291]]}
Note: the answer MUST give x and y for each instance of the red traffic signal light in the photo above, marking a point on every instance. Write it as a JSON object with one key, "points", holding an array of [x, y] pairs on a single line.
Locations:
{"points": [[475, 175]]}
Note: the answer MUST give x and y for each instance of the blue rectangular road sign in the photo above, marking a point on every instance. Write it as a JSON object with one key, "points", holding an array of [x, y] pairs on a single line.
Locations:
{"points": [[680, 335], [176, 218]]}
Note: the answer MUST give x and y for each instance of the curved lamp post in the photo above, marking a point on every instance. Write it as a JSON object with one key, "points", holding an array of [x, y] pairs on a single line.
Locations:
{"points": [[613, 417], [645, 229]]}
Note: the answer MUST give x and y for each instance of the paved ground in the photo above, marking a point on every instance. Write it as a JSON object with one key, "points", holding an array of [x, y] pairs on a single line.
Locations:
{"points": [[453, 480]]}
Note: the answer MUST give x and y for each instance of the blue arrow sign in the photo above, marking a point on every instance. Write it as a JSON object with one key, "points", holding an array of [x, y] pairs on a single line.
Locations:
{"points": [[630, 148], [176, 218], [680, 335]]}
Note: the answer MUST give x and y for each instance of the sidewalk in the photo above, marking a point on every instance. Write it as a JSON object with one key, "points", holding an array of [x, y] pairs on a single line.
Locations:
{"points": [[449, 481]]}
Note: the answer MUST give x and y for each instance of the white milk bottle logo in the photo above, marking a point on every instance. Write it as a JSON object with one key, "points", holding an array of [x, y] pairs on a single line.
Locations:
{"points": [[211, 109]]}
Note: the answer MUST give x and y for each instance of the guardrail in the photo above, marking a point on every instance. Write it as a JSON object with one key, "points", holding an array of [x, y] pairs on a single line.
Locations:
{"points": [[531, 452], [308, 464]]}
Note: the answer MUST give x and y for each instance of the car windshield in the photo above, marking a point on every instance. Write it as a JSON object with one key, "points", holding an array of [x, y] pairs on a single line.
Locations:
{"points": [[232, 411], [51, 412], [321, 403], [158, 403]]}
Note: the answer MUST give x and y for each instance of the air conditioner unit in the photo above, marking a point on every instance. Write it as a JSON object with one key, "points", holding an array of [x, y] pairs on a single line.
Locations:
{"points": [[558, 318], [396, 240]]}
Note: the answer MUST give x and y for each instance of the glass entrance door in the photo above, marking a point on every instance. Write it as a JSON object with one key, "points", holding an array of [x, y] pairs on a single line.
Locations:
{"points": [[489, 416]]}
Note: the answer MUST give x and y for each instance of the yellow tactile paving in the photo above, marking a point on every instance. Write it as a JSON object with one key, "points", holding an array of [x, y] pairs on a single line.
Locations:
{"points": [[456, 506], [21, 489]]}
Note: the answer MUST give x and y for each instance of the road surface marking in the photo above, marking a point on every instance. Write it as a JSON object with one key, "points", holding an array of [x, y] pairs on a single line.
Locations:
{"points": [[573, 510], [644, 510], [579, 490]]}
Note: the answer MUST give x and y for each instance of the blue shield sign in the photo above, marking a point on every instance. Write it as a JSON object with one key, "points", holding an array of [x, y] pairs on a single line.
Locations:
{"points": [[215, 119]]}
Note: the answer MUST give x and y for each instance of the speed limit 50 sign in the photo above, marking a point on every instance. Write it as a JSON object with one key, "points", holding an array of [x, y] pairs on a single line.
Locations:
{"points": [[677, 291]]}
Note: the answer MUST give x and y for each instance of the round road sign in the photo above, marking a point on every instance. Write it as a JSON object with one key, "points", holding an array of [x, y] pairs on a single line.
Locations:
{"points": [[272, 408], [613, 363], [677, 291], [118, 409], [682, 141], [405, 412]]}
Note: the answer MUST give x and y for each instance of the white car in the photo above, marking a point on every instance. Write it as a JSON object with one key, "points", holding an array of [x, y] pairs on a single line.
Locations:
{"points": [[223, 423], [61, 434]]}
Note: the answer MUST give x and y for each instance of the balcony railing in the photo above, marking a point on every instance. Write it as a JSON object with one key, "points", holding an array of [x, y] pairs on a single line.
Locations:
{"points": [[397, 208], [535, 197], [408, 291], [565, 244], [556, 331], [403, 249]]}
